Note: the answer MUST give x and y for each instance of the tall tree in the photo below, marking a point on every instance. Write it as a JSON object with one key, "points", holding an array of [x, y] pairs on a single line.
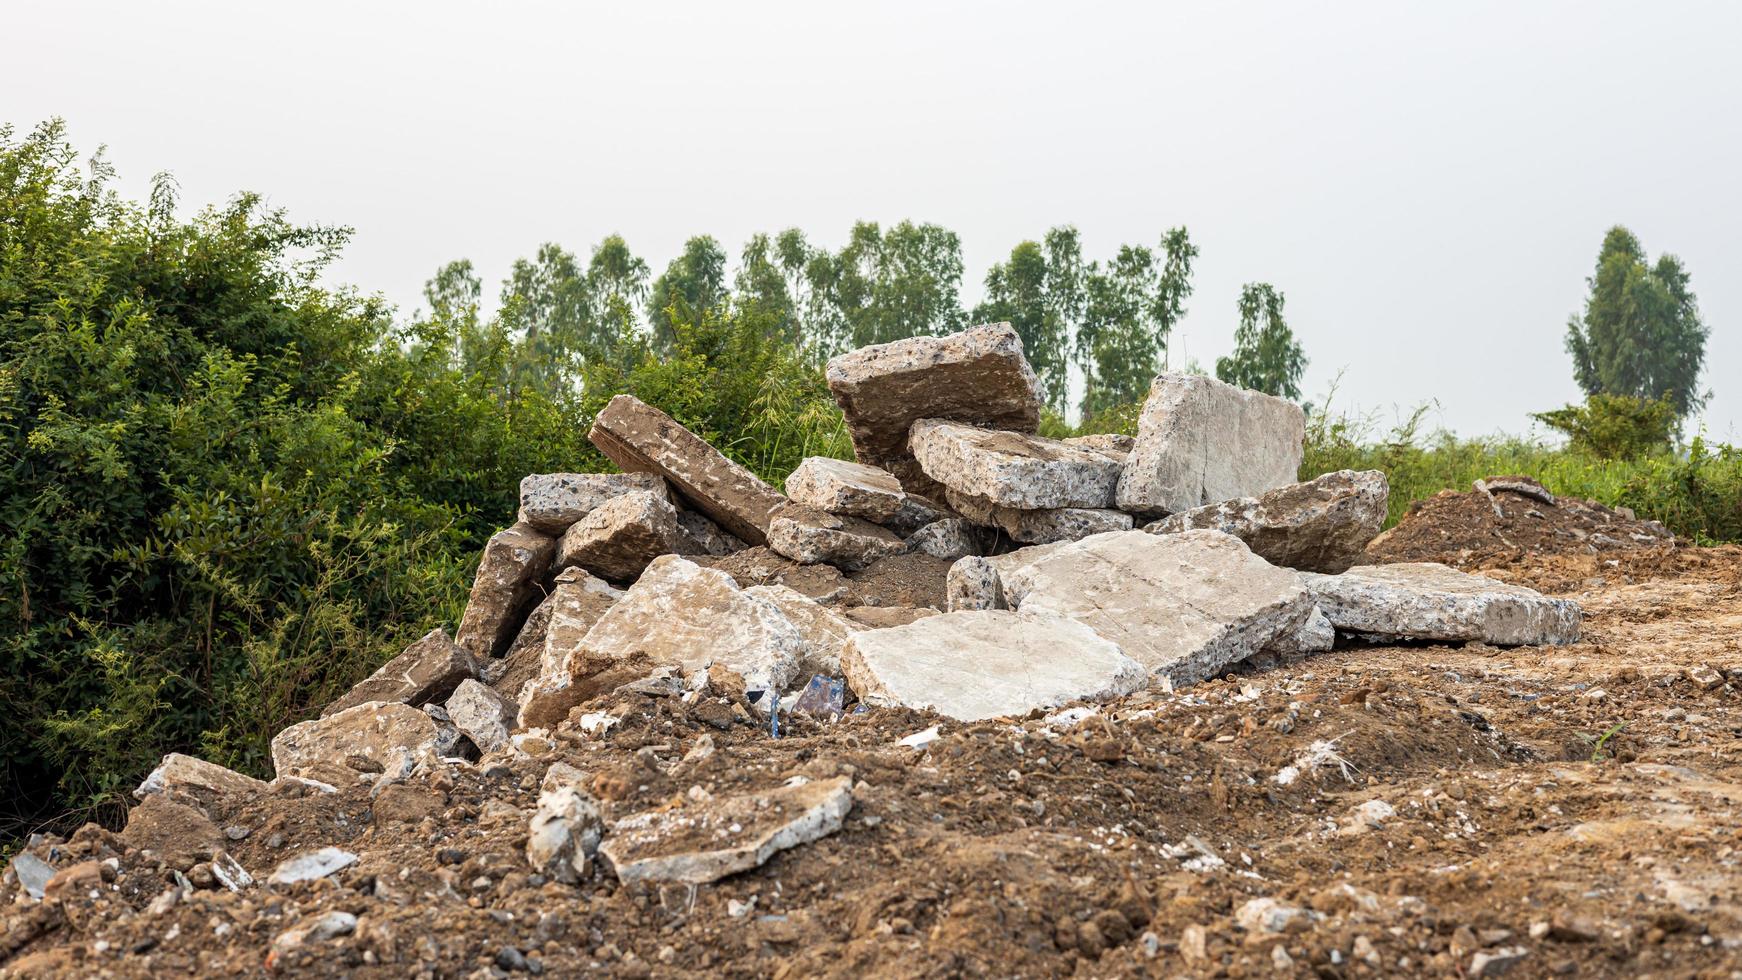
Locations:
{"points": [[881, 286], [694, 282], [454, 296], [545, 302], [616, 288], [1641, 334], [762, 281], [1116, 343], [1266, 356], [1020, 291]]}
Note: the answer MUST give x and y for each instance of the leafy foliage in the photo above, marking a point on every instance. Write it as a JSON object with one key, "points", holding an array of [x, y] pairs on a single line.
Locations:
{"points": [[1615, 426], [225, 493], [1641, 335]]}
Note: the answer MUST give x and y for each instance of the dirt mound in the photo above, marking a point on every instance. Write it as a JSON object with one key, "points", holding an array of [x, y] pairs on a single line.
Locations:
{"points": [[1390, 811], [1506, 519]]}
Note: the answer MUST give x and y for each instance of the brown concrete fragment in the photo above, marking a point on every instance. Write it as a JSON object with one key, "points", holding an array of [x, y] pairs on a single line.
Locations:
{"points": [[428, 670], [620, 536], [812, 536], [362, 740], [978, 376], [642, 439], [514, 561]]}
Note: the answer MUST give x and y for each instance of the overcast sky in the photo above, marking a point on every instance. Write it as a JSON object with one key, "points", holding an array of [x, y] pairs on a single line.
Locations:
{"points": [[1428, 183]]}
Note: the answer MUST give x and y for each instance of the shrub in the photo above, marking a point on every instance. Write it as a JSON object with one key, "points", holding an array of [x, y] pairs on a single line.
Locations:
{"points": [[225, 494], [1615, 426]]}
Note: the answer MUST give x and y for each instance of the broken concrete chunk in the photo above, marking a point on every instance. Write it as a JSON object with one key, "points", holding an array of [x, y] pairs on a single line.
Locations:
{"points": [[1183, 605], [987, 664], [1200, 441], [1316, 635], [428, 670], [577, 603], [842, 487], [949, 539], [1114, 444], [974, 583], [684, 616], [705, 841], [33, 873], [1040, 526], [1429, 601], [198, 778], [514, 561], [825, 633], [812, 536], [642, 439], [1318, 526], [312, 865], [978, 376], [704, 537], [1011, 469], [482, 714], [564, 833], [337, 749], [620, 536], [551, 502]]}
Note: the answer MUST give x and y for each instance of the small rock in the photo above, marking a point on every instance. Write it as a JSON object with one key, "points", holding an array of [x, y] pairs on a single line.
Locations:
{"points": [[973, 583], [482, 714], [1494, 962], [1267, 915], [312, 865], [32, 872], [564, 834], [741, 832]]}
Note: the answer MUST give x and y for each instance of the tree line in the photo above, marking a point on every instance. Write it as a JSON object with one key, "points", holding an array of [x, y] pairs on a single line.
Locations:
{"points": [[1106, 323]]}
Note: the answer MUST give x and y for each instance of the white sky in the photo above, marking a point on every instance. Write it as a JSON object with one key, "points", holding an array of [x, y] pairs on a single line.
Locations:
{"points": [[1428, 183]]}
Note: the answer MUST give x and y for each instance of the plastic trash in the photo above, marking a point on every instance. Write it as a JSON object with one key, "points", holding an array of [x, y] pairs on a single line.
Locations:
{"points": [[824, 696]]}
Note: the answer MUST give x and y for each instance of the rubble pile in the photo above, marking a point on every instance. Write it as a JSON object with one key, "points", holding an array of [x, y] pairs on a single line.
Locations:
{"points": [[1048, 572]]}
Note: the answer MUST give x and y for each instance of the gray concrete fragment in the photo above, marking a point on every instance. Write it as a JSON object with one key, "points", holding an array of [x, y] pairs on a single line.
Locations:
{"points": [[949, 539], [973, 583], [1012, 469], [1318, 526], [564, 833], [1200, 441], [1430, 601], [858, 490], [312, 865], [812, 536], [551, 502], [704, 537], [825, 633], [740, 832], [329, 750], [1039, 526], [1114, 444], [620, 536], [978, 376], [987, 664], [483, 715], [427, 670], [1184, 605]]}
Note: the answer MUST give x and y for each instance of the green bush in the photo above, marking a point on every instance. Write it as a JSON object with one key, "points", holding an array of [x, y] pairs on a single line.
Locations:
{"points": [[1615, 426], [225, 494]]}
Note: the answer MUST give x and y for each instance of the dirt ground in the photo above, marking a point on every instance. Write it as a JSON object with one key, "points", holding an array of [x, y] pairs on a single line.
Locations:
{"points": [[1395, 810]]}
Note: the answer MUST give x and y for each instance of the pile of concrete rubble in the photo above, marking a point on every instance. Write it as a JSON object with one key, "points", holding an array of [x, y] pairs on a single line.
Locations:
{"points": [[1086, 568]]}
